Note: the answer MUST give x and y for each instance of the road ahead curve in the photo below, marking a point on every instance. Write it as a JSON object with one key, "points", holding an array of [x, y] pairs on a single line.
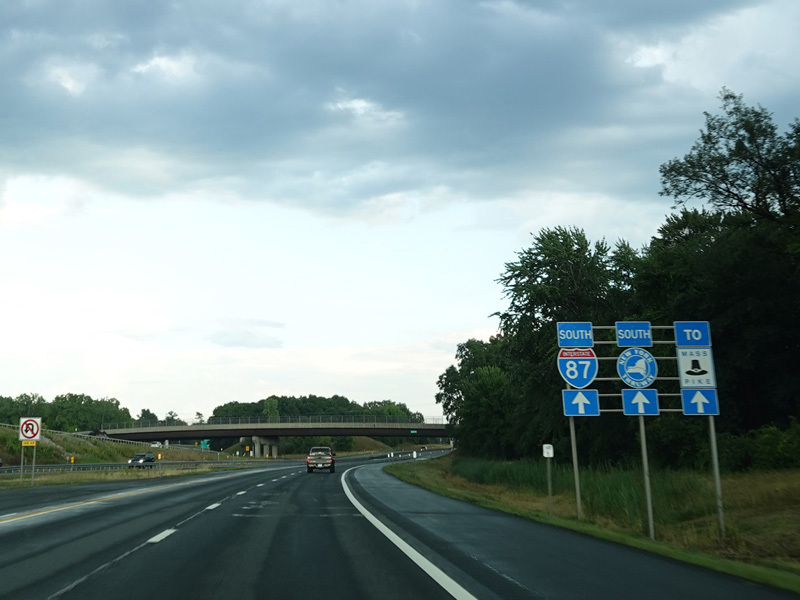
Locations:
{"points": [[281, 532]]}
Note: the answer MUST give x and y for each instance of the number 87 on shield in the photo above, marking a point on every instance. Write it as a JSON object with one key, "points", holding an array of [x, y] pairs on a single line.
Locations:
{"points": [[578, 366]]}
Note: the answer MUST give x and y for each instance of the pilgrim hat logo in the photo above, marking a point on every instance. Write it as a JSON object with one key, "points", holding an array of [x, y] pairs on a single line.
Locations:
{"points": [[696, 370]]}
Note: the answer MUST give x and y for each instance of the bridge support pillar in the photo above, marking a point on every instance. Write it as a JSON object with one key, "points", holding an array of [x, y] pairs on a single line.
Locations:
{"points": [[265, 446]]}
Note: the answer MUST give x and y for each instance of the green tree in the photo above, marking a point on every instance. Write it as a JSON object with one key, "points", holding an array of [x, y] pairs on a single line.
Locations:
{"points": [[147, 416], [172, 418], [562, 276], [731, 269], [271, 407], [739, 266], [238, 409], [740, 163]]}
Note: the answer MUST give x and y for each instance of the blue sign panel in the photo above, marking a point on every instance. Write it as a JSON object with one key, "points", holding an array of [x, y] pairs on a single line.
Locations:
{"points": [[581, 403], [578, 366], [640, 402], [692, 333], [637, 367], [700, 402], [634, 334], [575, 334]]}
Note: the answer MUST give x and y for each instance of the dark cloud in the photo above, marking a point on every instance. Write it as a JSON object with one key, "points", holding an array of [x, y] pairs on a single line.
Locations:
{"points": [[329, 104]]}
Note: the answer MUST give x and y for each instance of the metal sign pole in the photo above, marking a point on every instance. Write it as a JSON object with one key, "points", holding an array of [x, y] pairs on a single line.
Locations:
{"points": [[575, 467], [21, 463], [549, 487], [717, 481], [646, 467], [33, 464]]}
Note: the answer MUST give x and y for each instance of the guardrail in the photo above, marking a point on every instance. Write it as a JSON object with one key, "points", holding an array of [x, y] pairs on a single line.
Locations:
{"points": [[376, 419], [156, 466]]}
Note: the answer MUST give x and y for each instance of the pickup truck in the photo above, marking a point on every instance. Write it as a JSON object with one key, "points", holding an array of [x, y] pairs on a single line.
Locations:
{"points": [[320, 457]]}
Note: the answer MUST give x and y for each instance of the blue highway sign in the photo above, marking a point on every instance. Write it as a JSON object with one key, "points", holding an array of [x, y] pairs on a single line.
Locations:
{"points": [[578, 366], [581, 403], [575, 334], [637, 367], [692, 333], [640, 402], [700, 402], [634, 334]]}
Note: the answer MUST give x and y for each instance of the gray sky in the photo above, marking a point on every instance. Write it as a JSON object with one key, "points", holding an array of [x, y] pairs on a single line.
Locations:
{"points": [[204, 202]]}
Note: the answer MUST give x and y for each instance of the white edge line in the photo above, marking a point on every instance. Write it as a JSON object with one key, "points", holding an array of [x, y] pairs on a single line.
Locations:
{"points": [[439, 576]]}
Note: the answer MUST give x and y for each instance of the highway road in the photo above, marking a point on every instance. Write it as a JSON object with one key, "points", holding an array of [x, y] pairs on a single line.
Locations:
{"points": [[279, 532]]}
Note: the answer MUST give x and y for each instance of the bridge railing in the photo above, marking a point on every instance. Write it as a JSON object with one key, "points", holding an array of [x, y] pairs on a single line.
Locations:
{"points": [[376, 419]]}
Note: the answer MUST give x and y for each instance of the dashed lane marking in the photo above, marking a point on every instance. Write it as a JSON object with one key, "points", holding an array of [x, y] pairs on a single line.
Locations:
{"points": [[163, 535]]}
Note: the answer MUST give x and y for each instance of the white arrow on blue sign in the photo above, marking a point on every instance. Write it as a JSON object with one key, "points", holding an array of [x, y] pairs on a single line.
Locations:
{"points": [[575, 334], [700, 402], [581, 403], [640, 402], [578, 366]]}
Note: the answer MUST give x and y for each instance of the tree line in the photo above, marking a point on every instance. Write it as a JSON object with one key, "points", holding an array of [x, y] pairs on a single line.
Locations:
{"points": [[307, 406], [734, 264], [80, 412], [66, 412]]}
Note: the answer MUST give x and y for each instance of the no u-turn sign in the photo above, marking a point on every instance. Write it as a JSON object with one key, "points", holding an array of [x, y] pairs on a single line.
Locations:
{"points": [[30, 428]]}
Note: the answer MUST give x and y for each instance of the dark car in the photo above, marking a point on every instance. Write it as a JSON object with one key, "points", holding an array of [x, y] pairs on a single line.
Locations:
{"points": [[142, 460], [320, 457]]}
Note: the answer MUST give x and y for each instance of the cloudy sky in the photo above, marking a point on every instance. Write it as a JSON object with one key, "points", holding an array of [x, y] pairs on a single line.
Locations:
{"points": [[204, 202]]}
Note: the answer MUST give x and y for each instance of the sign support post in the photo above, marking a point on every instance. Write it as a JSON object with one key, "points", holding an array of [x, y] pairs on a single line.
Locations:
{"points": [[717, 481], [30, 430], [33, 464], [575, 467], [646, 468]]}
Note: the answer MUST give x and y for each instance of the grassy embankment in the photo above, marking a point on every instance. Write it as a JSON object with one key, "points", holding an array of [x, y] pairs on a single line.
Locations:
{"points": [[762, 512], [57, 448]]}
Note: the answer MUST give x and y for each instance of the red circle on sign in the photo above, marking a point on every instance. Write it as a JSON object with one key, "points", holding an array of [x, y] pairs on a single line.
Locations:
{"points": [[29, 429]]}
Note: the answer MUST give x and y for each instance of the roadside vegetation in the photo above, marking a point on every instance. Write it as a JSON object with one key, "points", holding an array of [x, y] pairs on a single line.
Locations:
{"points": [[61, 448], [762, 515], [734, 263]]}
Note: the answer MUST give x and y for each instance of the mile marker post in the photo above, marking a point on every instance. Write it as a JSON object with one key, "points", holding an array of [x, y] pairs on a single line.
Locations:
{"points": [[547, 451]]}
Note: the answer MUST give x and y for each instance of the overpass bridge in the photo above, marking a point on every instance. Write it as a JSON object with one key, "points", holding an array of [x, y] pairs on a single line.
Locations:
{"points": [[265, 431]]}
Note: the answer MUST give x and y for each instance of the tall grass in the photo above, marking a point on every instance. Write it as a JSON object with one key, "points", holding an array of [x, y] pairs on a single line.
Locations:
{"points": [[608, 494]]}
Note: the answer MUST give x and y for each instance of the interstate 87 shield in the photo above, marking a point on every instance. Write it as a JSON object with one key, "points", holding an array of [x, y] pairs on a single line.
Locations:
{"points": [[578, 366]]}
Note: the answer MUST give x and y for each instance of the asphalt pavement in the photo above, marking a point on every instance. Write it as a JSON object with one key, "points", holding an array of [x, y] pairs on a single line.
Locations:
{"points": [[281, 532]]}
